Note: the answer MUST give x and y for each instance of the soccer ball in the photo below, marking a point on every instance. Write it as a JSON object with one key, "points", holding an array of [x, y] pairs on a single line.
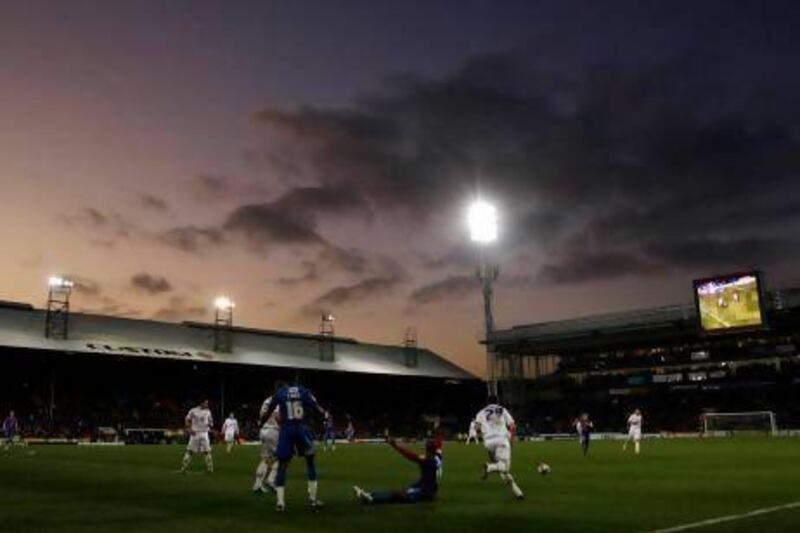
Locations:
{"points": [[543, 468]]}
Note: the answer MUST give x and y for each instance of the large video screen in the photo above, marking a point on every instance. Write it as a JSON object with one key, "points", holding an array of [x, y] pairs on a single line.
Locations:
{"points": [[729, 302]]}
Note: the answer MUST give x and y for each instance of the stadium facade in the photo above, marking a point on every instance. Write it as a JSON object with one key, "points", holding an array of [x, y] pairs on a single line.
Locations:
{"points": [[657, 359], [120, 372]]}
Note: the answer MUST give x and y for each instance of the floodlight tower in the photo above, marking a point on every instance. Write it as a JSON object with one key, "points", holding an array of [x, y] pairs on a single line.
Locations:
{"points": [[223, 324], [482, 220], [56, 321], [410, 346], [326, 336]]}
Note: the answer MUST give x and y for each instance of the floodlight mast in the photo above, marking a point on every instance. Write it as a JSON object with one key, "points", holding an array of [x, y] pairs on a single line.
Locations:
{"points": [[482, 219]]}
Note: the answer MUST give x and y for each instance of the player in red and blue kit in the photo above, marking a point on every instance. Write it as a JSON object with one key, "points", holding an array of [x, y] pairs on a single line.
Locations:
{"points": [[424, 490], [10, 428], [293, 404]]}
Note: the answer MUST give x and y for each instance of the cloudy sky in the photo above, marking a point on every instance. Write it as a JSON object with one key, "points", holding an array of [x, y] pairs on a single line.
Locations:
{"points": [[313, 156]]}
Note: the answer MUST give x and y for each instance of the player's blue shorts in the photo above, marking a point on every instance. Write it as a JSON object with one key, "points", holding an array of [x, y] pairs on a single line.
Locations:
{"points": [[330, 434], [294, 439]]}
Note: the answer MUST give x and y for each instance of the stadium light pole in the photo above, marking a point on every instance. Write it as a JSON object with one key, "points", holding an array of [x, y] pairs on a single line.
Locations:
{"points": [[56, 325], [223, 339], [223, 323], [482, 221]]}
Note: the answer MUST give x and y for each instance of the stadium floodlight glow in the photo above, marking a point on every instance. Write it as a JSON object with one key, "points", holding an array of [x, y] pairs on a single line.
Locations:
{"points": [[57, 282], [482, 220], [223, 303]]}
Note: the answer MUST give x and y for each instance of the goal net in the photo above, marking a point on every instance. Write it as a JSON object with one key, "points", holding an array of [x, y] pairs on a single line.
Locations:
{"points": [[745, 422]]}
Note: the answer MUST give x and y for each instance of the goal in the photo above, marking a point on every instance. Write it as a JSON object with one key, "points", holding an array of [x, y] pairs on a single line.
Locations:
{"points": [[744, 422]]}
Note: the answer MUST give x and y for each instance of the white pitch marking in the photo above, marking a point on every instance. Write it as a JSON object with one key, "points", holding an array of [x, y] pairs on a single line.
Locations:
{"points": [[729, 518]]}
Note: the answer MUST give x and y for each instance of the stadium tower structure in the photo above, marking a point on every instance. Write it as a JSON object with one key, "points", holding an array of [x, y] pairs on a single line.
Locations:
{"points": [[131, 373], [657, 359]]}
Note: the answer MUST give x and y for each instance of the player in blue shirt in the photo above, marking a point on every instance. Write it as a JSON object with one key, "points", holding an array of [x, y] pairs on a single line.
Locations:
{"points": [[330, 434], [294, 403], [584, 426], [424, 490], [10, 428]]}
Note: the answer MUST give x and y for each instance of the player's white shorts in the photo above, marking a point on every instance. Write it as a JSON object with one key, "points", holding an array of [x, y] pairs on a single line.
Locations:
{"points": [[635, 434], [500, 449], [269, 442], [230, 436], [199, 443]]}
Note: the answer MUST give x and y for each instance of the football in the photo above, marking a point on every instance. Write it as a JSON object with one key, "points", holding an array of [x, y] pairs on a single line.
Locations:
{"points": [[543, 468]]}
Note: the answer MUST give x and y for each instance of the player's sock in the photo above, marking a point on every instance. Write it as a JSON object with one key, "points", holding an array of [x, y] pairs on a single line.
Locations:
{"points": [[281, 497], [209, 463], [514, 488], [311, 468], [230, 447], [624, 445], [312, 491], [636, 447], [273, 473], [261, 475], [186, 461]]}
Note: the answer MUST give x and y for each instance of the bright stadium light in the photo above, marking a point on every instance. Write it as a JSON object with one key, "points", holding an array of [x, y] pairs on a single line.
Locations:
{"points": [[57, 282], [223, 303], [482, 220]]}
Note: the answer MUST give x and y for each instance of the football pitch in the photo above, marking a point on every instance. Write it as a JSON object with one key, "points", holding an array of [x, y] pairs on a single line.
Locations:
{"points": [[673, 482]]}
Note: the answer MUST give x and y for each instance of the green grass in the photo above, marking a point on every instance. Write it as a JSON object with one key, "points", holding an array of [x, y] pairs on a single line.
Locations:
{"points": [[136, 488]]}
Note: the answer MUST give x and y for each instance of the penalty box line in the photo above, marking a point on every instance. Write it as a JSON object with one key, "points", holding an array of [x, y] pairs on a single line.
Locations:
{"points": [[729, 518]]}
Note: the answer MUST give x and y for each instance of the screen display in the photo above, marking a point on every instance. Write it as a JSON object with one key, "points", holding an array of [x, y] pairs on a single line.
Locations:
{"points": [[729, 302]]}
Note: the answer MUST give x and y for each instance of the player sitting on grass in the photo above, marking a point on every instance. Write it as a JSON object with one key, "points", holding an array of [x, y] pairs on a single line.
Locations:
{"points": [[497, 427], [293, 403], [230, 428], [198, 424], [424, 490], [634, 431], [268, 467]]}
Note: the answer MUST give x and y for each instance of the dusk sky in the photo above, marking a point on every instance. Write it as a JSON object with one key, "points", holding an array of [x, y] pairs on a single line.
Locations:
{"points": [[319, 156]]}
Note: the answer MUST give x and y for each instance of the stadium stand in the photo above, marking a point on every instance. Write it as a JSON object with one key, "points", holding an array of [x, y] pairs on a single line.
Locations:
{"points": [[124, 375], [655, 359]]}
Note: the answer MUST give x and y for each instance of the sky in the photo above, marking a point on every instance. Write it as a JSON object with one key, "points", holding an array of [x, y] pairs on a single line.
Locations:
{"points": [[313, 156]]}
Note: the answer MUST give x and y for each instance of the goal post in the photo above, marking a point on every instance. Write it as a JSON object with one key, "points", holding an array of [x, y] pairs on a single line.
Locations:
{"points": [[741, 422]]}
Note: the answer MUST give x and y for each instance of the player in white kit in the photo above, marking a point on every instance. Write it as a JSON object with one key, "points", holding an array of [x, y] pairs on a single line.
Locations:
{"points": [[268, 466], [230, 428], [496, 425], [472, 436], [198, 424], [634, 431]]}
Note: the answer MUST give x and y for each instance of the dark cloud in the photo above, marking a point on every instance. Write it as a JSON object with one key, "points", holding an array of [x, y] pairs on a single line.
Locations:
{"points": [[211, 188], [179, 309], [108, 224], [365, 290], [86, 287], [264, 226], [150, 284], [450, 288], [192, 238], [640, 162], [310, 274], [154, 203]]}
